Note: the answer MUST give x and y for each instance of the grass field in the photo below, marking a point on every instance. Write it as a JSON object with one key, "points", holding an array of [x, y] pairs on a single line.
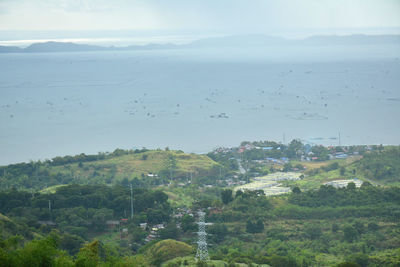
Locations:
{"points": [[138, 165], [51, 189], [178, 197]]}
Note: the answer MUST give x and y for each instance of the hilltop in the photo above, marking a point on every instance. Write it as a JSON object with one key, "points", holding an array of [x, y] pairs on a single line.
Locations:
{"points": [[143, 167]]}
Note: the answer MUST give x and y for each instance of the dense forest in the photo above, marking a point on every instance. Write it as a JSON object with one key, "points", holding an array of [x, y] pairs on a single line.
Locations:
{"points": [[308, 228], [381, 165]]}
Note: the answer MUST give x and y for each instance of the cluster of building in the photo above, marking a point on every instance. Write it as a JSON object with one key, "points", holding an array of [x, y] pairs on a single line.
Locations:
{"points": [[232, 182], [153, 234], [180, 212], [280, 161], [121, 225], [224, 150]]}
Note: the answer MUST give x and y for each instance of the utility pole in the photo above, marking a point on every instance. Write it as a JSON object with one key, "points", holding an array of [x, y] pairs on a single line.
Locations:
{"points": [[50, 210], [339, 140], [131, 202]]}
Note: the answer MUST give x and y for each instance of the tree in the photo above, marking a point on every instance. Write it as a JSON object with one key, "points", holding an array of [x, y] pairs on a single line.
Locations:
{"points": [[320, 152], [250, 228], [296, 190], [283, 261], [254, 227], [348, 264], [366, 185], [295, 149], [359, 226], [201, 264], [100, 217], [287, 167], [169, 232], [313, 231], [373, 226], [89, 255], [238, 193], [351, 186], [38, 253], [350, 233], [218, 232], [260, 225], [71, 243], [188, 223], [226, 196], [138, 235], [359, 258], [171, 164]]}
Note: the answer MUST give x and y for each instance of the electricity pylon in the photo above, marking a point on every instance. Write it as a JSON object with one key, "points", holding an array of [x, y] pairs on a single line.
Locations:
{"points": [[202, 251]]}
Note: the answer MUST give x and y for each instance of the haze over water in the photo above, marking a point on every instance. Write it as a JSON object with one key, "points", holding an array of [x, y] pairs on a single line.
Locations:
{"points": [[196, 99]]}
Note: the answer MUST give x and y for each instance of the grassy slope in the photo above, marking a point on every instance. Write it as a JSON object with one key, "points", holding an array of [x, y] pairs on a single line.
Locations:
{"points": [[134, 165], [315, 180], [51, 189], [178, 197]]}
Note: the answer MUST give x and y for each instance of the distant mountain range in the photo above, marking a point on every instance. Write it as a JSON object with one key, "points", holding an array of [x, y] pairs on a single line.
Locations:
{"points": [[228, 41], [47, 47]]}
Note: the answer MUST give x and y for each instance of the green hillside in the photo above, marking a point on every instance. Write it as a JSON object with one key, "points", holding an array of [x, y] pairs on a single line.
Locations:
{"points": [[380, 167], [145, 167], [103, 223], [10, 228], [162, 163]]}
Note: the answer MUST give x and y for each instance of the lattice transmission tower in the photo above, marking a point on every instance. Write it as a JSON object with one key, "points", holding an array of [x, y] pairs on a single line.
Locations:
{"points": [[202, 251]]}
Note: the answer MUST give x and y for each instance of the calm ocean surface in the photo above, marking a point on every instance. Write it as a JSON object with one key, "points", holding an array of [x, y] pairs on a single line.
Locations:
{"points": [[196, 99]]}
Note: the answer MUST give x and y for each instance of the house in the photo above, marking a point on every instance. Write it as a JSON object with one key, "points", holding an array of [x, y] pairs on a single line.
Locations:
{"points": [[340, 155], [112, 224], [157, 227], [178, 215], [214, 211]]}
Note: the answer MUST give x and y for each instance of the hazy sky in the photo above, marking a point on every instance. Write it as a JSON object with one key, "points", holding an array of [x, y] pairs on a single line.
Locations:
{"points": [[262, 16]]}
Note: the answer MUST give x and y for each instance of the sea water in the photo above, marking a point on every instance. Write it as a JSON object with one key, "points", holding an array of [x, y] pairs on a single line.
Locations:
{"points": [[196, 99]]}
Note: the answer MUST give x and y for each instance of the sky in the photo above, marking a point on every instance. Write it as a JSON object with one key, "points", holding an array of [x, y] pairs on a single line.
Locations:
{"points": [[229, 16]]}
